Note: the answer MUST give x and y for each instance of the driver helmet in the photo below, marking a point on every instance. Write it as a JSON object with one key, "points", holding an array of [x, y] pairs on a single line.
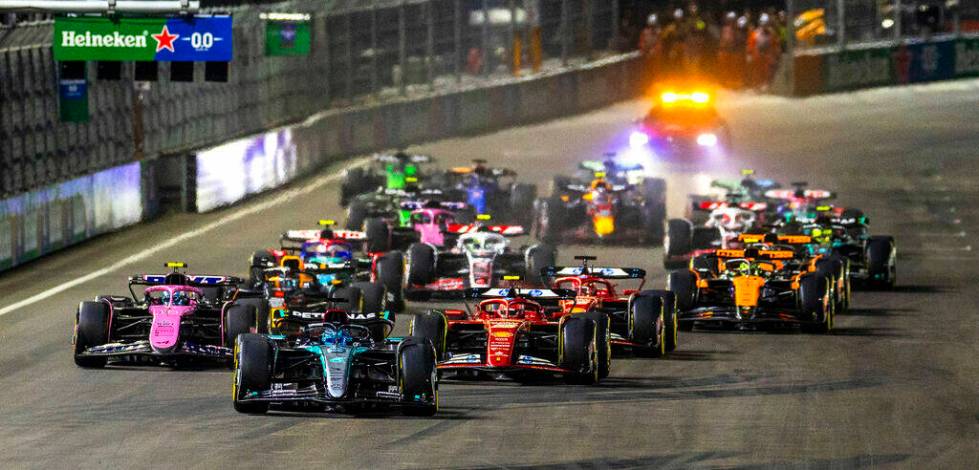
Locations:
{"points": [[180, 299], [744, 268], [821, 235]]}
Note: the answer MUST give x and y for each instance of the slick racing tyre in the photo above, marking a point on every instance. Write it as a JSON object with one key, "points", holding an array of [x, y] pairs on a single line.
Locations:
{"points": [[603, 343], [522, 198], [391, 272], [538, 258], [704, 237], [417, 378], [679, 237], [260, 260], [646, 324], [577, 343], [356, 215], [91, 329], [432, 327], [683, 284], [261, 312], [421, 264], [252, 372], [378, 235], [373, 297], [814, 301], [547, 220], [239, 318], [353, 184], [881, 262], [654, 210], [350, 299]]}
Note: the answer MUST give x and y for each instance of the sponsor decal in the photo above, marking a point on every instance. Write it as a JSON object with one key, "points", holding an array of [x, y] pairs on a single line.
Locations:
{"points": [[191, 39]]}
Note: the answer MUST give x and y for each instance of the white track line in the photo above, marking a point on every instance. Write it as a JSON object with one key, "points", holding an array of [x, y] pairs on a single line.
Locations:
{"points": [[282, 198]]}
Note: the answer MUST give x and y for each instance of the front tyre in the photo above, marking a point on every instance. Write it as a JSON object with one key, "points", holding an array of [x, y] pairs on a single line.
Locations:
{"points": [[252, 372], [417, 379], [91, 329]]}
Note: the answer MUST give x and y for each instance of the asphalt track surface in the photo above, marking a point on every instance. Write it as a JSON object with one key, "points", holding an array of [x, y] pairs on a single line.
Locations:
{"points": [[895, 385]]}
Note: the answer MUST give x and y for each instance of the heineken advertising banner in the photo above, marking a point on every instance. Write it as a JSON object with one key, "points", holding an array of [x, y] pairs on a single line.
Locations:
{"points": [[195, 39]]}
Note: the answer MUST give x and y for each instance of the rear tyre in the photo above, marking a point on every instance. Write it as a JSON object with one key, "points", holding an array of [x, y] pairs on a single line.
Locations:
{"points": [[705, 237], [353, 184], [881, 262], [260, 260], [252, 372], [577, 343], [645, 323], [352, 299], [683, 284], [378, 235], [547, 223], [678, 241], [421, 264], [417, 380], [261, 312], [671, 318], [538, 258], [356, 215], [391, 272], [430, 326], [603, 343], [238, 319], [522, 198], [813, 290], [91, 329]]}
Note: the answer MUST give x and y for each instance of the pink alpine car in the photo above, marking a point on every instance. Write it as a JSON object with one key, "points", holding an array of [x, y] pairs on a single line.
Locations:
{"points": [[178, 319]]}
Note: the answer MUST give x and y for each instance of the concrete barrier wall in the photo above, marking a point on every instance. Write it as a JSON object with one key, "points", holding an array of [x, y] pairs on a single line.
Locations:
{"points": [[885, 65], [55, 217], [230, 172], [52, 218]]}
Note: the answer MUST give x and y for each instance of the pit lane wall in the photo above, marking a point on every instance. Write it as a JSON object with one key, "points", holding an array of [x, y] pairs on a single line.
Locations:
{"points": [[230, 172], [859, 67]]}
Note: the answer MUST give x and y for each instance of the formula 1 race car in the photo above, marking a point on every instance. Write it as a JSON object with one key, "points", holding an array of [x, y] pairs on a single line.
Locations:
{"points": [[334, 365], [682, 124], [481, 255], [748, 193], [740, 288], [177, 319], [330, 258], [512, 332], [603, 211], [685, 241], [644, 321], [872, 259], [398, 172], [491, 191]]}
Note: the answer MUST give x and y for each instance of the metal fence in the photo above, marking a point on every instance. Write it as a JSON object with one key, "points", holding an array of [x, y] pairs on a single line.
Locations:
{"points": [[842, 23], [362, 50]]}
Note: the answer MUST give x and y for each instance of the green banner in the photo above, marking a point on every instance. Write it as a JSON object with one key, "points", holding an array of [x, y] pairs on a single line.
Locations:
{"points": [[124, 39], [967, 57], [73, 102], [287, 38]]}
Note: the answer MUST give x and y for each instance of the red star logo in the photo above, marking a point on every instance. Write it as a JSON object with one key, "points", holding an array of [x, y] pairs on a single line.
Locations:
{"points": [[164, 40]]}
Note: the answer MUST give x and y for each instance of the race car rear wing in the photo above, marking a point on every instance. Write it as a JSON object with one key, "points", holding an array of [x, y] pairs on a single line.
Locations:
{"points": [[594, 271], [505, 230], [709, 205], [448, 205], [302, 236], [757, 254], [388, 158], [190, 280], [808, 194], [772, 238], [512, 292]]}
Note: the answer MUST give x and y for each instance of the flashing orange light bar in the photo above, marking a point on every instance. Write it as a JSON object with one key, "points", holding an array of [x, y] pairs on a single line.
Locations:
{"points": [[696, 97]]}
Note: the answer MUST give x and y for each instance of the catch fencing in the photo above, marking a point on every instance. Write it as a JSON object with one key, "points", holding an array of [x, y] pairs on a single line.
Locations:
{"points": [[363, 51]]}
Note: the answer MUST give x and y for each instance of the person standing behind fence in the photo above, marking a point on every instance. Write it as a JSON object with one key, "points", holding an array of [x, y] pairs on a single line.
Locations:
{"points": [[730, 53], [763, 52], [650, 44]]}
